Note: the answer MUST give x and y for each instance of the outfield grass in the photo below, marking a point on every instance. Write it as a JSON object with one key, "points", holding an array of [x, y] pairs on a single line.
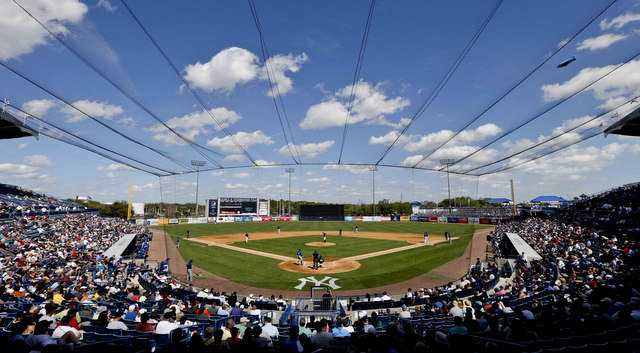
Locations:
{"points": [[263, 272], [198, 230], [345, 246]]}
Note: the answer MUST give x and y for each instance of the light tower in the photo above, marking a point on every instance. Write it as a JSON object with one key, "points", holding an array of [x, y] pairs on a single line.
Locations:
{"points": [[289, 170], [197, 164], [448, 162], [373, 169]]}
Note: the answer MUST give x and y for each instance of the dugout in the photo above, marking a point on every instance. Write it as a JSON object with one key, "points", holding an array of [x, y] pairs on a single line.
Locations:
{"points": [[321, 212]]}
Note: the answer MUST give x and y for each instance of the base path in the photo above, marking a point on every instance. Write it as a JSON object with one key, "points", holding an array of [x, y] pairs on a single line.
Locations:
{"points": [[162, 247]]}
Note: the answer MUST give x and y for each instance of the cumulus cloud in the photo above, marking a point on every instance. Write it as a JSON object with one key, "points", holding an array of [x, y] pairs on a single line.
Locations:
{"points": [[234, 158], [29, 168], [113, 167], [309, 150], [601, 42], [370, 103], [353, 169], [235, 186], [39, 107], [384, 139], [323, 180], [242, 175], [279, 65], [21, 34], [623, 81], [193, 125], [234, 66], [619, 21], [106, 5], [429, 142], [244, 139], [93, 108]]}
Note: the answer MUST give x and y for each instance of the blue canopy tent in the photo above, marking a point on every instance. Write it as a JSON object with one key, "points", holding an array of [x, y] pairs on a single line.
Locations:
{"points": [[548, 199], [498, 201], [415, 203]]}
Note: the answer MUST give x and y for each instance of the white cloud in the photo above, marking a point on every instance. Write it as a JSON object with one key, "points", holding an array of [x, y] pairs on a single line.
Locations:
{"points": [[623, 81], [278, 65], [218, 173], [385, 139], [412, 160], [353, 169], [95, 109], [113, 167], [106, 5], [234, 158], [242, 175], [432, 140], [244, 139], [601, 42], [39, 107], [310, 173], [235, 186], [38, 161], [29, 168], [370, 103], [563, 42], [225, 70], [323, 180], [620, 21], [193, 125], [309, 150], [46, 178], [23, 146], [265, 164], [128, 122], [21, 34]]}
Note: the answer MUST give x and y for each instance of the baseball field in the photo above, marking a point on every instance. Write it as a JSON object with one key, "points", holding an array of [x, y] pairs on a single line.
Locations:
{"points": [[378, 254]]}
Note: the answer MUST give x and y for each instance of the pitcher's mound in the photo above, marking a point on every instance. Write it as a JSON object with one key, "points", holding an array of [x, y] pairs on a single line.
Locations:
{"points": [[319, 243], [331, 265]]}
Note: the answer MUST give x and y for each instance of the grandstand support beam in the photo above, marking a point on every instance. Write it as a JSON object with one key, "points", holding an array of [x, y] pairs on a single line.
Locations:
{"points": [[290, 170], [197, 164], [513, 198], [373, 169], [447, 162]]}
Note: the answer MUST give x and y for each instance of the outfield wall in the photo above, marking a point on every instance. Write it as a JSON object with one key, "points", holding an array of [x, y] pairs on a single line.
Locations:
{"points": [[200, 220]]}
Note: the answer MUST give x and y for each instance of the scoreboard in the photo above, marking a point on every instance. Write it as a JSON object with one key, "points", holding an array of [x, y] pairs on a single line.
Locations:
{"points": [[237, 206]]}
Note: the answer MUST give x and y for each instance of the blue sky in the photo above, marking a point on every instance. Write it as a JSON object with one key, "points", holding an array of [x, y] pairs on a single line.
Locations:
{"points": [[313, 49]]}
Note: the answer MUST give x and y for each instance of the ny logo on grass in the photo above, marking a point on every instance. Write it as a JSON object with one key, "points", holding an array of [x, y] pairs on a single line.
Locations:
{"points": [[311, 279]]}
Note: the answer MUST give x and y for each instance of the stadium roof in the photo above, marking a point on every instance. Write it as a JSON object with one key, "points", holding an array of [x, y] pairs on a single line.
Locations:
{"points": [[629, 125], [548, 199], [11, 127], [503, 200]]}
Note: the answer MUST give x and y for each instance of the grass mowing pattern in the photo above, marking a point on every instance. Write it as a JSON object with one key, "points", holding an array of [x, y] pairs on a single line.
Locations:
{"points": [[263, 272], [345, 246]]}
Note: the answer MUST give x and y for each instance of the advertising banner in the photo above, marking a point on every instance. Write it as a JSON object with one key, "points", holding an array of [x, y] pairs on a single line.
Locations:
{"points": [[442, 219], [495, 221], [163, 221], [263, 208], [485, 220], [173, 221], [474, 220], [238, 219], [152, 222], [357, 218], [266, 219], [414, 218], [433, 219], [285, 219], [452, 219], [225, 219], [385, 219], [348, 218], [367, 218], [463, 220], [257, 219], [395, 218], [212, 207], [140, 222], [183, 220], [211, 219], [405, 219]]}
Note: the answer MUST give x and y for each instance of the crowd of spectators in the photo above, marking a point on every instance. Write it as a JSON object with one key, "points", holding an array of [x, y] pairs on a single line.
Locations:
{"points": [[15, 201], [502, 212], [58, 290]]}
